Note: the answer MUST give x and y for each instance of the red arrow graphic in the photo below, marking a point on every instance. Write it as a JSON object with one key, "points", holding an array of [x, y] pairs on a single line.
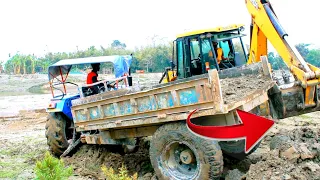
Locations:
{"points": [[252, 129]]}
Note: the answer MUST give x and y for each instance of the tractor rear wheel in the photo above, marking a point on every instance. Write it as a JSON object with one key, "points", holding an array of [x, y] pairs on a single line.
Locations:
{"points": [[176, 153], [58, 132], [236, 149]]}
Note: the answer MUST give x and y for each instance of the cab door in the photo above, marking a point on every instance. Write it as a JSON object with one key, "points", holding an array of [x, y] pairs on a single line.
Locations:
{"points": [[189, 57], [181, 62]]}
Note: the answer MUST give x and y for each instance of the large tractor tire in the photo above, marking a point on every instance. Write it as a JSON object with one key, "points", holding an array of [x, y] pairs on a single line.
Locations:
{"points": [[176, 153], [58, 132], [236, 149]]}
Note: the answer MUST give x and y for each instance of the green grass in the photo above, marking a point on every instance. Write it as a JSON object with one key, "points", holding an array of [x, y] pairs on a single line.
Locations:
{"points": [[21, 156], [12, 169], [37, 89], [304, 116], [4, 152], [13, 93], [8, 174]]}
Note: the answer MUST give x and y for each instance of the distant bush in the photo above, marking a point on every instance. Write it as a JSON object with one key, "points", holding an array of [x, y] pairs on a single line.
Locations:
{"points": [[51, 168], [122, 175]]}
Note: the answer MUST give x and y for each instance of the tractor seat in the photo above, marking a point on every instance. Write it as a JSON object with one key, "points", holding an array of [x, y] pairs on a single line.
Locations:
{"points": [[87, 91]]}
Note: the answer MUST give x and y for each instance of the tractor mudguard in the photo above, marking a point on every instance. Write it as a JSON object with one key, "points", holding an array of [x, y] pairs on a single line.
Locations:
{"points": [[62, 105]]}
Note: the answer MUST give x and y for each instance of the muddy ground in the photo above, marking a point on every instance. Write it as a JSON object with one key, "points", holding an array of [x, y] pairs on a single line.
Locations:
{"points": [[290, 151]]}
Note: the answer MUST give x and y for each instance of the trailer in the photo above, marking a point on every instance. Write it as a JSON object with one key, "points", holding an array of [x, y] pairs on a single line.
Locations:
{"points": [[122, 116]]}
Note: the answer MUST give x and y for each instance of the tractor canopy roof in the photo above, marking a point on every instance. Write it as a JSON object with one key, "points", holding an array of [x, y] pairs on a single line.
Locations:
{"points": [[212, 30], [121, 64]]}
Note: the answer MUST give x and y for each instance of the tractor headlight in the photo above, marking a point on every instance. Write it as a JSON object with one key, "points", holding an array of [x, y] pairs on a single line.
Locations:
{"points": [[52, 105]]}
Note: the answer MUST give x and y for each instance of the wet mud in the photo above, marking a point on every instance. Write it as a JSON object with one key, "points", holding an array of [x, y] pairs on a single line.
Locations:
{"points": [[235, 89]]}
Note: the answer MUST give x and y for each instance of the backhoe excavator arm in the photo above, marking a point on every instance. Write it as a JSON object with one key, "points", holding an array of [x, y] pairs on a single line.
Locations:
{"points": [[265, 26]]}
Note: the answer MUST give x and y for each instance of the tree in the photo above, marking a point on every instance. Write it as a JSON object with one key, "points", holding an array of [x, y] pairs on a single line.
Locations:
{"points": [[118, 45], [303, 49], [51, 168], [314, 57], [156, 55], [1, 66], [276, 61]]}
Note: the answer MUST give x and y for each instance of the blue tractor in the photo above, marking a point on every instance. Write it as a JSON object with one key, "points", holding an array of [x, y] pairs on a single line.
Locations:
{"points": [[60, 130]]}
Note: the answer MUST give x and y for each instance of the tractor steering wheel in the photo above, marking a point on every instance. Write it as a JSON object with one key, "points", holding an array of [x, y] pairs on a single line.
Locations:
{"points": [[231, 56], [196, 61]]}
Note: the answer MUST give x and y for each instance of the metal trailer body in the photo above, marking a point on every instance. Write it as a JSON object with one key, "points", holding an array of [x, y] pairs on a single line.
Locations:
{"points": [[127, 113]]}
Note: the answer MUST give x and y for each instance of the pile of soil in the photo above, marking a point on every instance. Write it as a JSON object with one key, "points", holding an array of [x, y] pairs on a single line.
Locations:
{"points": [[293, 155], [88, 160], [236, 88]]}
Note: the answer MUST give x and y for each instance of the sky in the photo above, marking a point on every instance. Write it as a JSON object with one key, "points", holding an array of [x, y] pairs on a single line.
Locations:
{"points": [[40, 26]]}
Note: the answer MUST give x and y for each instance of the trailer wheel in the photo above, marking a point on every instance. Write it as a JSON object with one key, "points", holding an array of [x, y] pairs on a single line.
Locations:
{"points": [[235, 149], [176, 153], [58, 133]]}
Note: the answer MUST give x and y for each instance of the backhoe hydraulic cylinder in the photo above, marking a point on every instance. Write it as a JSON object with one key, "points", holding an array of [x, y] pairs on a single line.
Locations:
{"points": [[274, 20]]}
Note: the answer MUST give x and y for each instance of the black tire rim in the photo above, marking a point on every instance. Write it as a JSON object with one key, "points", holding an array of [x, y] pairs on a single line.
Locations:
{"points": [[177, 165]]}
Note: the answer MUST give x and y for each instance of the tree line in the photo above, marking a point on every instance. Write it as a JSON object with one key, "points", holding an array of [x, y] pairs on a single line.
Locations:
{"points": [[310, 55], [151, 58]]}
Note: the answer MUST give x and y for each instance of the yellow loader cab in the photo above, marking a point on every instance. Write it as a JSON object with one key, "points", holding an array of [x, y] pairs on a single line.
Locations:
{"points": [[198, 51]]}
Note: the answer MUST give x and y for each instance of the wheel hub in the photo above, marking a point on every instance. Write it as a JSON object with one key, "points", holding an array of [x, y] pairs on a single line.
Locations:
{"points": [[187, 156], [180, 160]]}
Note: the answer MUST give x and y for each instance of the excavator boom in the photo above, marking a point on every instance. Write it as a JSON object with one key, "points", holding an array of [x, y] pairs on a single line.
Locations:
{"points": [[266, 26]]}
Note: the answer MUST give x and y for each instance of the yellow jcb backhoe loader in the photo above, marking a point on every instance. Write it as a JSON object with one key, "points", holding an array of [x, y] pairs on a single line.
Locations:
{"points": [[297, 90]]}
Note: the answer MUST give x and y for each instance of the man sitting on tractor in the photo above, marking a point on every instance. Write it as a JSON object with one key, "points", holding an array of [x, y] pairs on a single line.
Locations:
{"points": [[93, 78]]}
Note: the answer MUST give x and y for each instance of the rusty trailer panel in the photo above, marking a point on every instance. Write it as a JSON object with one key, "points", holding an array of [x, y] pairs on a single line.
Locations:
{"points": [[153, 103], [173, 102]]}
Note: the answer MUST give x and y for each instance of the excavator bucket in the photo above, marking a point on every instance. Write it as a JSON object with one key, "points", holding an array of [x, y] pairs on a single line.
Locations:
{"points": [[297, 90], [286, 97]]}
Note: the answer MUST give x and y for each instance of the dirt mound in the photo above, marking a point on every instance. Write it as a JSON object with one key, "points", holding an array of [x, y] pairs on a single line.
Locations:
{"points": [[87, 161], [294, 155], [236, 87]]}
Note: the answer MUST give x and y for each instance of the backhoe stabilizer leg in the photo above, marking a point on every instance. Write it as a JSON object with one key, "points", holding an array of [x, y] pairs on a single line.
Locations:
{"points": [[309, 96]]}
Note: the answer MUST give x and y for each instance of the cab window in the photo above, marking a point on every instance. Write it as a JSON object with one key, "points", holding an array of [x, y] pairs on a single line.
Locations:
{"points": [[239, 52], [181, 69], [206, 50], [195, 58], [194, 48], [225, 47]]}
